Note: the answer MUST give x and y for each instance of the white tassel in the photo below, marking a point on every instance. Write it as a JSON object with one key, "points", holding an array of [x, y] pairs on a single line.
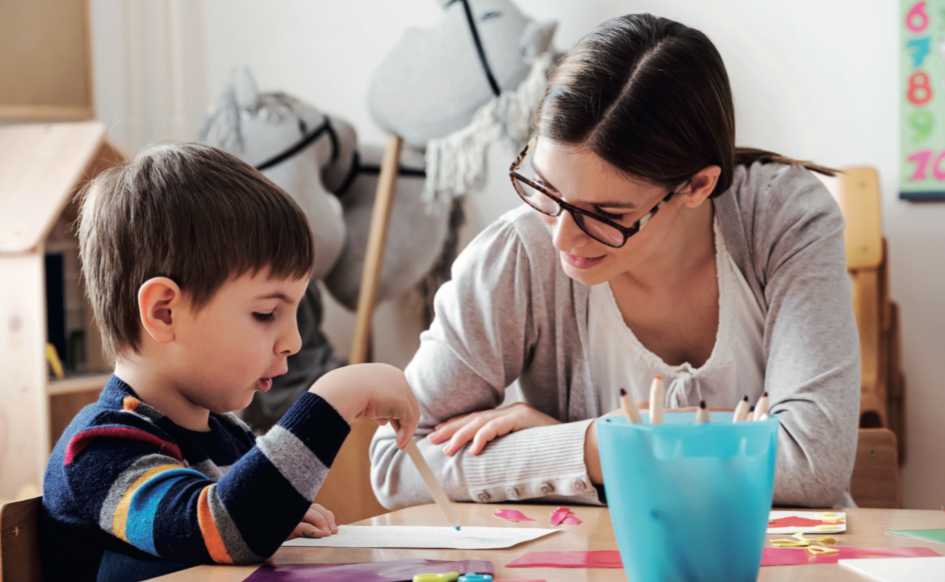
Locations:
{"points": [[455, 164]]}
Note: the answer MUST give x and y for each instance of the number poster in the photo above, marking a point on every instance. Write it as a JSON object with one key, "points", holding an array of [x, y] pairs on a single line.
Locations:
{"points": [[922, 118]]}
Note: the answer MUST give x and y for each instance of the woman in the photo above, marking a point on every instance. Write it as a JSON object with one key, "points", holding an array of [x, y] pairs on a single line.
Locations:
{"points": [[649, 244]]}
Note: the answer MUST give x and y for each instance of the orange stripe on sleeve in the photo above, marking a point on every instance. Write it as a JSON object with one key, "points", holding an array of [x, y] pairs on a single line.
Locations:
{"points": [[208, 529]]}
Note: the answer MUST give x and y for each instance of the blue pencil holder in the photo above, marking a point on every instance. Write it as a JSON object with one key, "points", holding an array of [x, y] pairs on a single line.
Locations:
{"points": [[689, 501]]}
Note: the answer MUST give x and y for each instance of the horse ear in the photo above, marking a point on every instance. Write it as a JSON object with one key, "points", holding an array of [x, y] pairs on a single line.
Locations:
{"points": [[536, 38], [221, 125], [244, 87]]}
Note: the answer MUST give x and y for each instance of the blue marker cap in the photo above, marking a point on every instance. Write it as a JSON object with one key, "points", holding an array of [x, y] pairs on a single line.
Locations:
{"points": [[475, 577]]}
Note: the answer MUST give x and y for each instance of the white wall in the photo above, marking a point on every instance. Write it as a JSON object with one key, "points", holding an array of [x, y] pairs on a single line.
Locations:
{"points": [[812, 79], [149, 69]]}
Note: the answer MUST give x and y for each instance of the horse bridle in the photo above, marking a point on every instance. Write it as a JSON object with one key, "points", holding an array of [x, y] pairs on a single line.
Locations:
{"points": [[480, 50], [307, 139], [310, 137], [356, 167]]}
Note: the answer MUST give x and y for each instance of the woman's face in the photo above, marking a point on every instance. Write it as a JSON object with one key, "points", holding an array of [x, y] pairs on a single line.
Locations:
{"points": [[588, 182]]}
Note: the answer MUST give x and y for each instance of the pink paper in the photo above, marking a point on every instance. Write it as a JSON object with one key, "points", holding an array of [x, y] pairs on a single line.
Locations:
{"points": [[798, 556], [513, 515], [572, 520], [564, 516], [572, 559]]}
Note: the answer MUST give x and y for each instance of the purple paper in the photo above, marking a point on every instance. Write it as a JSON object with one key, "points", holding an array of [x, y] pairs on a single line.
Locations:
{"points": [[390, 571]]}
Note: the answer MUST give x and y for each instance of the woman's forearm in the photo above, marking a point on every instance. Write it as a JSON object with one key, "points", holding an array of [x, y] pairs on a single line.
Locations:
{"points": [[545, 461]]}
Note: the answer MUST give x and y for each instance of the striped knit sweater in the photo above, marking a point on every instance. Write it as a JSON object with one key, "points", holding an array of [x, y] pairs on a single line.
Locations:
{"points": [[129, 494]]}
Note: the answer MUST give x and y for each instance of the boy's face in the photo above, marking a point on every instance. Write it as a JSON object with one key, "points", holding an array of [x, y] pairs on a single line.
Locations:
{"points": [[237, 342]]}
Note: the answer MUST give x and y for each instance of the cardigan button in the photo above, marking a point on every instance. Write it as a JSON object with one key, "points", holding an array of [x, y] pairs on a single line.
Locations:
{"points": [[484, 497], [547, 488]]}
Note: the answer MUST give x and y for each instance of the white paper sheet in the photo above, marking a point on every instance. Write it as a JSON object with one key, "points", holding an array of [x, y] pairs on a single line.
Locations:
{"points": [[895, 569], [428, 537]]}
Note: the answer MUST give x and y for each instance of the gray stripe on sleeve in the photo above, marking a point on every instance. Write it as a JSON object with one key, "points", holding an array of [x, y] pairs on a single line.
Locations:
{"points": [[295, 461], [236, 546]]}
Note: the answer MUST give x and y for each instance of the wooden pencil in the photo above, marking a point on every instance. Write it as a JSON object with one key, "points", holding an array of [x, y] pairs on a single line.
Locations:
{"points": [[433, 486], [657, 398], [629, 407], [702, 415], [761, 408], [741, 410]]}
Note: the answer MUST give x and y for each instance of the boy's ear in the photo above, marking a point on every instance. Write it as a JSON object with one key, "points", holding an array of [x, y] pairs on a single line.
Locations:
{"points": [[158, 298], [701, 186]]}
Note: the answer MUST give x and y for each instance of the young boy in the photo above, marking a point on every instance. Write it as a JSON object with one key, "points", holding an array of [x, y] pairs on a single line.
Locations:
{"points": [[195, 264]]}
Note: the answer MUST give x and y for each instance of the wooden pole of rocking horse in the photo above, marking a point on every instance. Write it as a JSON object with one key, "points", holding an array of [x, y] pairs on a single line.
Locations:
{"points": [[347, 492], [374, 259]]}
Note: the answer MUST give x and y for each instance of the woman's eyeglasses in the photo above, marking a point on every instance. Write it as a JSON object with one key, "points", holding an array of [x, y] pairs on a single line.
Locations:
{"points": [[595, 225]]}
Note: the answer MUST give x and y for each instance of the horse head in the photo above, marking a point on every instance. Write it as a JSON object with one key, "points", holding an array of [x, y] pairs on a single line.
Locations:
{"points": [[435, 79], [302, 150]]}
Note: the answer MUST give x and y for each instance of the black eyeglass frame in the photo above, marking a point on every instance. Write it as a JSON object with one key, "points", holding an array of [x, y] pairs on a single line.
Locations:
{"points": [[578, 214]]}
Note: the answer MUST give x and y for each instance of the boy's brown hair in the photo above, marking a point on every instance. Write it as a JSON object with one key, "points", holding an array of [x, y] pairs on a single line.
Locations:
{"points": [[189, 212]]}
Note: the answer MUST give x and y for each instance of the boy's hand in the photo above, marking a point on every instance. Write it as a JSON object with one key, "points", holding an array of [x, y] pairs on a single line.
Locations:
{"points": [[375, 391], [317, 523]]}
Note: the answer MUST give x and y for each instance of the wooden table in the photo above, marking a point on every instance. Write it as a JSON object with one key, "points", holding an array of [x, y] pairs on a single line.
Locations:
{"points": [[865, 527]]}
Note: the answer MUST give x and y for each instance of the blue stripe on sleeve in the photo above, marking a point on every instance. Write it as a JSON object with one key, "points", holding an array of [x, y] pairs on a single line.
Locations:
{"points": [[145, 502]]}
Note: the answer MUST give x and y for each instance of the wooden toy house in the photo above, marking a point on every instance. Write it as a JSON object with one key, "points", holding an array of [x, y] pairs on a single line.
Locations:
{"points": [[42, 302]]}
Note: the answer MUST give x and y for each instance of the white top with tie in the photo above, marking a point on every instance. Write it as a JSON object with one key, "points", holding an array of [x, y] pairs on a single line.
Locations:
{"points": [[735, 367]]}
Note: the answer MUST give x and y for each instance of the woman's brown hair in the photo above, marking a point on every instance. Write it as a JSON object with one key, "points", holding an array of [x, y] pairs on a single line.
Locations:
{"points": [[652, 98]]}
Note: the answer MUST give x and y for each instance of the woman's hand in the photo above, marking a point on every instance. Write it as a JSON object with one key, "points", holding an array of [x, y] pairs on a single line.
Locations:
{"points": [[591, 451], [486, 426], [318, 522], [592, 454]]}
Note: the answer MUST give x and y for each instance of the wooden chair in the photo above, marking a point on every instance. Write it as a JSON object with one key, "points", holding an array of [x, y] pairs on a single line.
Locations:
{"points": [[860, 200], [347, 491], [881, 449], [877, 316], [19, 540], [875, 481]]}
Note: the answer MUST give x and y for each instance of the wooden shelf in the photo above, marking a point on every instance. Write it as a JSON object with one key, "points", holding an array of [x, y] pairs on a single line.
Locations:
{"points": [[78, 383], [45, 61], [44, 113]]}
